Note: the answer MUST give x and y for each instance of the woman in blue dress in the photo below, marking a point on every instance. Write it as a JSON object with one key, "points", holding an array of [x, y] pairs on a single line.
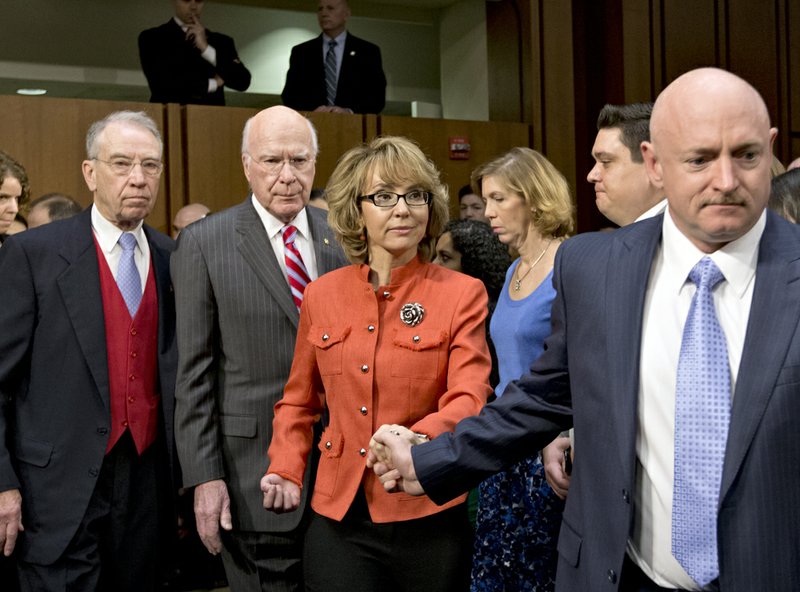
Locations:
{"points": [[529, 209]]}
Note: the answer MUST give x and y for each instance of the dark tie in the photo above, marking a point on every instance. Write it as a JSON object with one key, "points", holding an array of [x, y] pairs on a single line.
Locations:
{"points": [[295, 268], [128, 280], [330, 73], [702, 415]]}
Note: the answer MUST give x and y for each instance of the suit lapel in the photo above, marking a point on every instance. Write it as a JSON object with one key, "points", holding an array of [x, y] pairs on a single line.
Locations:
{"points": [[774, 314], [255, 247], [626, 284], [80, 290]]}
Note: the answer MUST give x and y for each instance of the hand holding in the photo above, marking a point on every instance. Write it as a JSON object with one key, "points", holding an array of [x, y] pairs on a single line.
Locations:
{"points": [[390, 458], [554, 469], [212, 510], [10, 519], [280, 495]]}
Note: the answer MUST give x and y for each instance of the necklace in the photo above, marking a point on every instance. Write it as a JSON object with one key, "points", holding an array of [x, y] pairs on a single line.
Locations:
{"points": [[519, 279]]}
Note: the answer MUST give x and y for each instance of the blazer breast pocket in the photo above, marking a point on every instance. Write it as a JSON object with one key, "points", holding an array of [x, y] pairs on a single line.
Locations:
{"points": [[329, 343], [416, 352]]}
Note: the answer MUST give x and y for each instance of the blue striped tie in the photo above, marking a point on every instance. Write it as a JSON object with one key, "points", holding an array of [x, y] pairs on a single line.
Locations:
{"points": [[330, 73]]}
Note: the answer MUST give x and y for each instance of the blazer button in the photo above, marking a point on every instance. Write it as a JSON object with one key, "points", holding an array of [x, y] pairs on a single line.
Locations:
{"points": [[626, 497], [362, 452], [371, 328], [364, 368], [328, 445], [387, 294], [102, 431], [363, 410], [612, 576], [415, 339], [93, 472], [325, 337]]}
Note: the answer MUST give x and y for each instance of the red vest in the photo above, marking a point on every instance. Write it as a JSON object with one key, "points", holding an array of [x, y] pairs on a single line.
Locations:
{"points": [[132, 346]]}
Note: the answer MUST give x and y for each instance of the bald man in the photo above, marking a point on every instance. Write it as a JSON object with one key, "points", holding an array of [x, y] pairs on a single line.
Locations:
{"points": [[186, 215], [626, 320], [237, 321]]}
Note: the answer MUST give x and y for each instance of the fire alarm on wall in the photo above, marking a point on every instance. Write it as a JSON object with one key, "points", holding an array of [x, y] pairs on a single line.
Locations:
{"points": [[459, 147]]}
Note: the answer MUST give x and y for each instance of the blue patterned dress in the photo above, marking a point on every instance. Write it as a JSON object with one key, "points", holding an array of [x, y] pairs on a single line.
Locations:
{"points": [[519, 516]]}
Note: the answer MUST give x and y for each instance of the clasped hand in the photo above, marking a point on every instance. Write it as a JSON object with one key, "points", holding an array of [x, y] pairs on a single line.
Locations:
{"points": [[390, 457]]}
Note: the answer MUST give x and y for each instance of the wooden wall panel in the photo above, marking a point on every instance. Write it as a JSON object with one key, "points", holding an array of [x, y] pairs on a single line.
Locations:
{"points": [[690, 37], [487, 141], [793, 67], [337, 133], [48, 136]]}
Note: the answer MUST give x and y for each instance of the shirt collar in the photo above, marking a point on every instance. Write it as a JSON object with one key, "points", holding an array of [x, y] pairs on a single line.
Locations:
{"points": [[653, 211], [339, 39], [107, 234], [274, 226], [737, 260]]}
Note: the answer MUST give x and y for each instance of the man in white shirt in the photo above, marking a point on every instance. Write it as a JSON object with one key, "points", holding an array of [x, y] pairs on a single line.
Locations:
{"points": [[611, 368]]}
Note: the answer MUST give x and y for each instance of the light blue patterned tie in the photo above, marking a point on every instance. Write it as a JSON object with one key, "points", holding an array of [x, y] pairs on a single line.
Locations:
{"points": [[330, 73], [702, 415], [128, 280]]}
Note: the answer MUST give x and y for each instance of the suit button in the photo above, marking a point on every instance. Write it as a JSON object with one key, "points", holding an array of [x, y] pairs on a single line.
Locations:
{"points": [[132, 377], [131, 399], [133, 331], [325, 337], [371, 328], [102, 431], [125, 423], [364, 368], [363, 410], [362, 452], [387, 294], [626, 497], [328, 445], [612, 576], [93, 472], [134, 354]]}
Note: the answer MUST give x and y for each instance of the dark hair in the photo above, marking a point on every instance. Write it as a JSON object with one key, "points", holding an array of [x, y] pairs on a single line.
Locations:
{"points": [[483, 256], [59, 206], [465, 190], [632, 120], [784, 198], [11, 168]]}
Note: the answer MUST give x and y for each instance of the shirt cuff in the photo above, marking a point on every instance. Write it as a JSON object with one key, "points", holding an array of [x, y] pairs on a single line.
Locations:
{"points": [[210, 55]]}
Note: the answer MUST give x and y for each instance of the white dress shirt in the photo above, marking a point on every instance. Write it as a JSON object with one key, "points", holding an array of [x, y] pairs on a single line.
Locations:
{"points": [[669, 295], [302, 241], [107, 236]]}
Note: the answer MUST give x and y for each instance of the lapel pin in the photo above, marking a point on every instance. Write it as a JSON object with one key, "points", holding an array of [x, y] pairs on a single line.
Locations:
{"points": [[352, 53], [326, 241]]}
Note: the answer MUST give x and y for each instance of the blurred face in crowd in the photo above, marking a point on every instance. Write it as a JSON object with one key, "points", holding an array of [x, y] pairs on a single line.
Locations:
{"points": [[396, 230], [279, 161], [446, 253], [10, 192], [332, 16], [124, 198], [186, 215], [711, 149], [188, 10], [508, 214], [621, 186], [471, 207]]}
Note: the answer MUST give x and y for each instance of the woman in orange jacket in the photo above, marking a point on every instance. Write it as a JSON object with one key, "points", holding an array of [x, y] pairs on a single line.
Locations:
{"points": [[392, 339]]}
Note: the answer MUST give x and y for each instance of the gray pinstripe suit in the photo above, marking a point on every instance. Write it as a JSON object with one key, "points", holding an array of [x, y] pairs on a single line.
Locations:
{"points": [[236, 325]]}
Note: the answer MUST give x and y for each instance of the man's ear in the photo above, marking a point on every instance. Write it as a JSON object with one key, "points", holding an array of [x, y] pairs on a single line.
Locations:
{"points": [[652, 165], [89, 172]]}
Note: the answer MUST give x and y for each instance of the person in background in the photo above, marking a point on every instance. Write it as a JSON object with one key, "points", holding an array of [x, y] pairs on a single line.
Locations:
{"points": [[87, 379], [14, 191], [336, 71], [784, 198], [318, 199], [184, 62], [239, 277], [186, 215], [391, 337], [529, 208], [50, 207], [470, 205], [795, 164]]}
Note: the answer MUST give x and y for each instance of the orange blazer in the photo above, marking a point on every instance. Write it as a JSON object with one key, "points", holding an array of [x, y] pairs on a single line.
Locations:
{"points": [[355, 355]]}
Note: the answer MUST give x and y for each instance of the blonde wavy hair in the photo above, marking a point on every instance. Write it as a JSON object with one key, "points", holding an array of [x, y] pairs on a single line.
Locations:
{"points": [[529, 174], [397, 160]]}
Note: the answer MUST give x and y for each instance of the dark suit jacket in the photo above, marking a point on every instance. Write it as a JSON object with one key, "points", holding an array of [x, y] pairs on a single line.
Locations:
{"points": [[590, 368], [54, 375], [361, 86], [177, 74], [237, 324]]}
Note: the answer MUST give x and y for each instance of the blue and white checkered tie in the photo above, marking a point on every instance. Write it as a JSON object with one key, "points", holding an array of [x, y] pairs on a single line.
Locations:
{"points": [[330, 73], [702, 416], [128, 280]]}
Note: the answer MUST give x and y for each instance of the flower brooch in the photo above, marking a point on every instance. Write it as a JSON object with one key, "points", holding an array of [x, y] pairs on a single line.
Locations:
{"points": [[412, 314]]}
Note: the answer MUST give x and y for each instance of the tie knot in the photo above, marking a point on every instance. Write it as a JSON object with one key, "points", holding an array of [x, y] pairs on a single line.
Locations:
{"points": [[289, 234], [331, 44], [706, 274], [127, 241]]}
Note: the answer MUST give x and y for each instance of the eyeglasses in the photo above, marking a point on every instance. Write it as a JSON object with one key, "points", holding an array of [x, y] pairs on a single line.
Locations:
{"points": [[124, 166], [388, 199], [274, 165]]}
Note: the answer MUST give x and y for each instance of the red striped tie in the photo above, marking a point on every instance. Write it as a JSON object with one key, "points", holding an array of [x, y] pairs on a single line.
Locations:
{"points": [[295, 268]]}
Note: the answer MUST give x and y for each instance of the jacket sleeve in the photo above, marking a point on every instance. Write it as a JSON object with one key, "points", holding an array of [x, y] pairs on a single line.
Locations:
{"points": [[468, 363], [373, 88], [297, 92], [299, 409], [165, 71], [229, 66]]}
